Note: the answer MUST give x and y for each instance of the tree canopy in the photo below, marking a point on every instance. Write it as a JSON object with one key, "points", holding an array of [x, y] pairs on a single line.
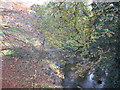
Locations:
{"points": [[92, 34]]}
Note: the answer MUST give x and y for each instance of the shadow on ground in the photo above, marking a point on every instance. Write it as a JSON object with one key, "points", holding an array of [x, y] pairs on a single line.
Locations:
{"points": [[24, 66]]}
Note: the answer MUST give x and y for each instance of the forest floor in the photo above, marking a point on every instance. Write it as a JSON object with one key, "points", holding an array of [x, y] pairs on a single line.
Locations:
{"points": [[25, 63]]}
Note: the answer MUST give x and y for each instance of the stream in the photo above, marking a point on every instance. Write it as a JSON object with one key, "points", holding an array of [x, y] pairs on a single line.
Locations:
{"points": [[70, 80]]}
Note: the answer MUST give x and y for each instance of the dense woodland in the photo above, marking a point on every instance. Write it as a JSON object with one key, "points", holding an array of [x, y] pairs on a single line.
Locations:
{"points": [[81, 31], [41, 46]]}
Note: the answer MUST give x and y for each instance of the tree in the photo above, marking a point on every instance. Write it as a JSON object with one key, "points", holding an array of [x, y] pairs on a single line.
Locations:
{"points": [[66, 26], [81, 32], [107, 45]]}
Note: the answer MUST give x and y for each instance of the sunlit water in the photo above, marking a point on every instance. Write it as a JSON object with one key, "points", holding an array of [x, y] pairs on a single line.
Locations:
{"points": [[90, 83], [70, 82]]}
